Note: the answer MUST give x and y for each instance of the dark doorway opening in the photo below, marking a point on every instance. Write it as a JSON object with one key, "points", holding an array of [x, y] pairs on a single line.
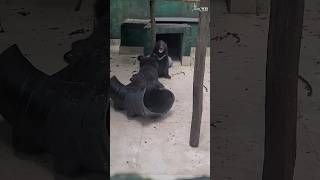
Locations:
{"points": [[174, 42]]}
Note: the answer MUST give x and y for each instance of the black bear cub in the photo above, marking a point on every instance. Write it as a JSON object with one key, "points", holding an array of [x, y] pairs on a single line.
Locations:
{"points": [[161, 51], [148, 73]]}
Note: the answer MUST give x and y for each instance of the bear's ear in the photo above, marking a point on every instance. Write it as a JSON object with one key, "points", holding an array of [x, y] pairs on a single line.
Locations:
{"points": [[157, 45], [140, 58]]}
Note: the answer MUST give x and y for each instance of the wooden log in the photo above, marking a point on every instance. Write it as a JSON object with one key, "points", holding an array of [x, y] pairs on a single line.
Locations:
{"points": [[153, 22], [285, 31], [199, 69]]}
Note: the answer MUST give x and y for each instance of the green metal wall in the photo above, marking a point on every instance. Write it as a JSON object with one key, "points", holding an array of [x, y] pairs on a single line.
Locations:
{"points": [[123, 9]]}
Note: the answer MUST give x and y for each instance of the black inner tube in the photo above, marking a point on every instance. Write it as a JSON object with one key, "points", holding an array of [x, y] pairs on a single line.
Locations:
{"points": [[158, 100]]}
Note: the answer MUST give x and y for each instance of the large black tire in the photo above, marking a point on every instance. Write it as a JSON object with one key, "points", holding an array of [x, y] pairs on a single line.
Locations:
{"points": [[153, 102]]}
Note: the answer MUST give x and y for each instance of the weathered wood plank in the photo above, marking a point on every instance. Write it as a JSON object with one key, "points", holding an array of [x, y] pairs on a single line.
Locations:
{"points": [[284, 42], [199, 69]]}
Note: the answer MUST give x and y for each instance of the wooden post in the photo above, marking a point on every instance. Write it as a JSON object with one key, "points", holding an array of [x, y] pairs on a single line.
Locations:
{"points": [[199, 69], [153, 22], [284, 42]]}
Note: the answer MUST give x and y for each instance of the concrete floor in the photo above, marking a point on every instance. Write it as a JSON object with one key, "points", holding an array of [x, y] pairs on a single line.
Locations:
{"points": [[238, 96], [43, 38], [160, 149]]}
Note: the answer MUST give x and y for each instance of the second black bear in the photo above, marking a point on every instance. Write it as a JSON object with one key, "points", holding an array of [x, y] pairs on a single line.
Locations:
{"points": [[161, 50]]}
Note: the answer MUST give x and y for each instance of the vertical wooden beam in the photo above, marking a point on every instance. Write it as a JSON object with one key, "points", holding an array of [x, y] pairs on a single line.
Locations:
{"points": [[198, 77], [153, 22], [285, 31]]}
